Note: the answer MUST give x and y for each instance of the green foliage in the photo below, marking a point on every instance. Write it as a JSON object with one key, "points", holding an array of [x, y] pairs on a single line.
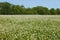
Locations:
{"points": [[11, 9], [16, 9], [5, 7], [53, 11], [58, 11]]}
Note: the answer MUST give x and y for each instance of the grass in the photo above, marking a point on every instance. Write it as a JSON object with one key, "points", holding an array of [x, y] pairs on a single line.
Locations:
{"points": [[29, 27]]}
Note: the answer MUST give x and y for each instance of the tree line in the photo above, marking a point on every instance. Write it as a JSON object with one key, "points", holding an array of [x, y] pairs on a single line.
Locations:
{"points": [[11, 9]]}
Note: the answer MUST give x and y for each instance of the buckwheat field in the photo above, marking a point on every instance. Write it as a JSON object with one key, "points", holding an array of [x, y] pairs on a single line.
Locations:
{"points": [[29, 27]]}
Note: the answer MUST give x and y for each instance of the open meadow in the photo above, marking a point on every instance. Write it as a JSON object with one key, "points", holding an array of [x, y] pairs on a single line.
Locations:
{"points": [[29, 27]]}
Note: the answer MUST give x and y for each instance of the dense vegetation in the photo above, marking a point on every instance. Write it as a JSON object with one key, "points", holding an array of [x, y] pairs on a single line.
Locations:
{"points": [[29, 27], [11, 9]]}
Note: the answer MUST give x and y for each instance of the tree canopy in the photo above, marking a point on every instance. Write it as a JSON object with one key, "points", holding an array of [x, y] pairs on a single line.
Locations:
{"points": [[11, 9]]}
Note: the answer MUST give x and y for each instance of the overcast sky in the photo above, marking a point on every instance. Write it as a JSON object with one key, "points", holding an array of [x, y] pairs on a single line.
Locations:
{"points": [[32, 3]]}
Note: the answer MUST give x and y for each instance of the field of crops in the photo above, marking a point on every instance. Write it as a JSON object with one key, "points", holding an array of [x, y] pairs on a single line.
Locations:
{"points": [[29, 27]]}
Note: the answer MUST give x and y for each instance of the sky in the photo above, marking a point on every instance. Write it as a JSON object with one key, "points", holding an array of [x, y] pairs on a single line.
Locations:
{"points": [[33, 3]]}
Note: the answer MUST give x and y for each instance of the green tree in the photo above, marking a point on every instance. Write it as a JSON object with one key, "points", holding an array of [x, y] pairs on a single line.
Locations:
{"points": [[41, 10], [52, 11], [16, 9], [58, 11], [11, 9], [4, 7], [30, 11]]}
